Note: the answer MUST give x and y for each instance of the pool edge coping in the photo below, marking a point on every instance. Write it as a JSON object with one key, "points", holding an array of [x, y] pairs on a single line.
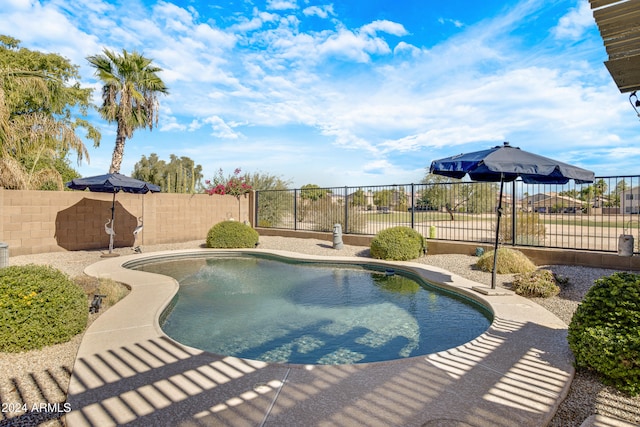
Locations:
{"points": [[163, 289]]}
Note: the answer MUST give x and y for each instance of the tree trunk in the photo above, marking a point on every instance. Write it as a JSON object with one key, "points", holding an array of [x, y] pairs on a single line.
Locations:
{"points": [[118, 154], [450, 212]]}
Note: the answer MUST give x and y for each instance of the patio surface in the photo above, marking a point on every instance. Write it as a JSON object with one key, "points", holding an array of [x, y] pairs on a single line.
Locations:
{"points": [[128, 372]]}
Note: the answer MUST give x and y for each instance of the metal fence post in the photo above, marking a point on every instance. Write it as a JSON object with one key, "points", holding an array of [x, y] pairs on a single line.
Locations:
{"points": [[346, 210], [256, 206], [295, 209], [413, 206]]}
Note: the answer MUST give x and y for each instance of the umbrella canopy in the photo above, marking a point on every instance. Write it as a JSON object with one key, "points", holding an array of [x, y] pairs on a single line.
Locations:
{"points": [[112, 183], [504, 164]]}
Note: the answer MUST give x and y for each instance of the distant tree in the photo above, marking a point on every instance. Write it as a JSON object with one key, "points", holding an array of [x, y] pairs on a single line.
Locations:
{"points": [[129, 95], [261, 181], [573, 193], [614, 196], [183, 175], [383, 198], [587, 194], [394, 198], [313, 192], [274, 202], [437, 195], [180, 175], [358, 198], [600, 188], [42, 107], [454, 195], [151, 169]]}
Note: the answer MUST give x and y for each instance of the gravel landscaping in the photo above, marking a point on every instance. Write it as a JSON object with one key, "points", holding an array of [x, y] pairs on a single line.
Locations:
{"points": [[39, 377]]}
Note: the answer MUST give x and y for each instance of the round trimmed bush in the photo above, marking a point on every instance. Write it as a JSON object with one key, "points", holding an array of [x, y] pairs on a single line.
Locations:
{"points": [[604, 335], [232, 234], [540, 283], [509, 261], [398, 244], [39, 306]]}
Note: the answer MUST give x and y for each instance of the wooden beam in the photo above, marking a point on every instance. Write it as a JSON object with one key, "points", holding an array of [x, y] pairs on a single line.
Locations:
{"points": [[615, 11], [619, 25], [596, 4], [625, 72], [627, 45]]}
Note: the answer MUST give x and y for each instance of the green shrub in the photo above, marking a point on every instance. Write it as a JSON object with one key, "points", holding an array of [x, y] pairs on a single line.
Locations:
{"points": [[232, 234], [39, 306], [604, 333], [509, 261], [398, 244], [540, 283]]}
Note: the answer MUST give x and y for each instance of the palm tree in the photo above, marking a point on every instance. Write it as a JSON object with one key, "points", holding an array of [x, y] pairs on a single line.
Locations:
{"points": [[32, 136], [129, 95]]}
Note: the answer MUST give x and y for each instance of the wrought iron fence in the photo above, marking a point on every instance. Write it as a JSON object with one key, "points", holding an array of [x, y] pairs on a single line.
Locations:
{"points": [[571, 216]]}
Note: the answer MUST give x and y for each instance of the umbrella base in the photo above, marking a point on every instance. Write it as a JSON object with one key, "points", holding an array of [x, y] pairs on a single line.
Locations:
{"points": [[109, 255]]}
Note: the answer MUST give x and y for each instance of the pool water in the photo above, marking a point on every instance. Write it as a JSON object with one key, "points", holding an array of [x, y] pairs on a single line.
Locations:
{"points": [[261, 308]]}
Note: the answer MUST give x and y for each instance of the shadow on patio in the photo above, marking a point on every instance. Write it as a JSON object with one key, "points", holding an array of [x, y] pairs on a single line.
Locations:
{"points": [[514, 374]]}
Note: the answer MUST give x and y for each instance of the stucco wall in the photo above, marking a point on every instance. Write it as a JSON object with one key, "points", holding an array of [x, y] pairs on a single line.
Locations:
{"points": [[49, 221]]}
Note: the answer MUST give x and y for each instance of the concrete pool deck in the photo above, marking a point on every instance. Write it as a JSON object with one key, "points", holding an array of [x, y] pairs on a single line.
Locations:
{"points": [[128, 372]]}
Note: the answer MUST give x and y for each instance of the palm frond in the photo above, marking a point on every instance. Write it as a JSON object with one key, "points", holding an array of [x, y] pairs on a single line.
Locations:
{"points": [[12, 174]]}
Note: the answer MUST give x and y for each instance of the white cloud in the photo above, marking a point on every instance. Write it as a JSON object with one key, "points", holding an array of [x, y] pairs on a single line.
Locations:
{"points": [[364, 100], [377, 166], [352, 46], [281, 4], [319, 11], [574, 24], [454, 22], [18, 5], [385, 27], [221, 129]]}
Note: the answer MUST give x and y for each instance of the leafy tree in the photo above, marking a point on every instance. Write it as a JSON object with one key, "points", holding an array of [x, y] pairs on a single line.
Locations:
{"points": [[600, 188], [435, 194], [261, 181], [274, 202], [309, 195], [129, 95], [313, 192], [42, 107], [614, 196], [358, 198], [151, 169], [573, 193], [454, 195], [383, 198], [180, 175], [395, 198]]}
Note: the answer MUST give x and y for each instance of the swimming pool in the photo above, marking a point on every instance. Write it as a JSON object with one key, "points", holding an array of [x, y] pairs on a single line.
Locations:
{"points": [[280, 310]]}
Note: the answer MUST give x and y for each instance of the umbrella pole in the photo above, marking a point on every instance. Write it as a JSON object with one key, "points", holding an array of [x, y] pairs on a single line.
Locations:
{"points": [[113, 209], [495, 247]]}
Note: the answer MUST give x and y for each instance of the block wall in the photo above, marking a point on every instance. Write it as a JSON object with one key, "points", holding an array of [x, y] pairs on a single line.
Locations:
{"points": [[50, 221]]}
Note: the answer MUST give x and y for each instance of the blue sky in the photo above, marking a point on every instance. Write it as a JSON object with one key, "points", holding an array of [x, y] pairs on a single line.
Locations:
{"points": [[363, 92]]}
